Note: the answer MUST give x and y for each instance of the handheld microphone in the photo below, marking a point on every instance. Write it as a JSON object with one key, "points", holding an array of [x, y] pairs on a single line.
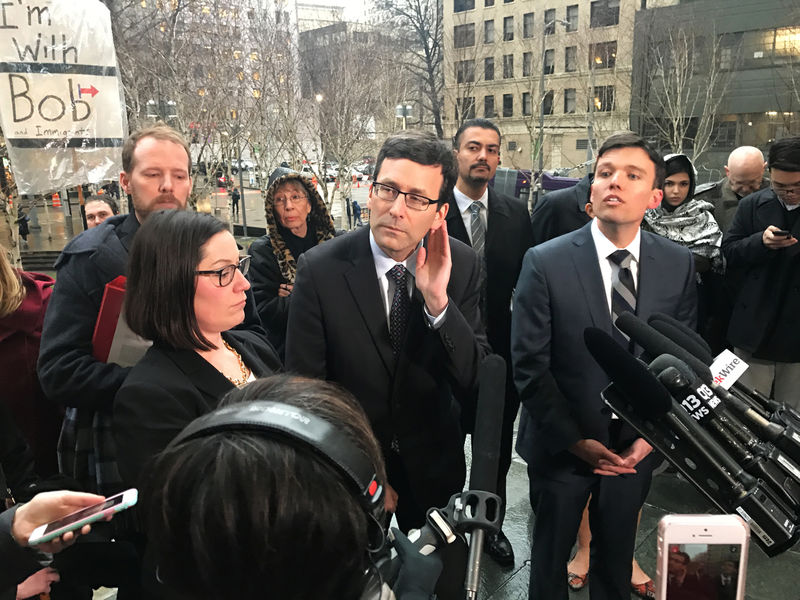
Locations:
{"points": [[688, 333], [486, 456]]}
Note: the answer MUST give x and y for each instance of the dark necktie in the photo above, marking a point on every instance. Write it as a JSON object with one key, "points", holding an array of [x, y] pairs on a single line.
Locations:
{"points": [[478, 244], [623, 291], [401, 306]]}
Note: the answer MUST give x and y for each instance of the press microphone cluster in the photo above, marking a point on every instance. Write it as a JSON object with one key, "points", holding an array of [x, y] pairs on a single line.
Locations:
{"points": [[741, 452]]}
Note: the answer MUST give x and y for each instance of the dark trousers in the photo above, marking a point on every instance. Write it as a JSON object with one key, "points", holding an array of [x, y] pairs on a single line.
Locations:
{"points": [[510, 409], [411, 515], [613, 515]]}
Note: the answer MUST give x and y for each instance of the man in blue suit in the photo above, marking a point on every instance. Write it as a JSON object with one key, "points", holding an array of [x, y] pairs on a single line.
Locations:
{"points": [[572, 443]]}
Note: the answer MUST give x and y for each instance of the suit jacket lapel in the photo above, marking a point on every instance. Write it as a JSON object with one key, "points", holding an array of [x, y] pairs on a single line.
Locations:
{"points": [[496, 218], [200, 372], [649, 276], [455, 223], [363, 285], [586, 265]]}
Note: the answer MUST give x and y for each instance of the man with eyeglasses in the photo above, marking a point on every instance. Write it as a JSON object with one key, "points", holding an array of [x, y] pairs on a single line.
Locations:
{"points": [[762, 255], [498, 228], [391, 313]]}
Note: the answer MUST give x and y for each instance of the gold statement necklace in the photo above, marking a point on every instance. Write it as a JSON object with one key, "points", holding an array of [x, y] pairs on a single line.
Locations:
{"points": [[238, 381]]}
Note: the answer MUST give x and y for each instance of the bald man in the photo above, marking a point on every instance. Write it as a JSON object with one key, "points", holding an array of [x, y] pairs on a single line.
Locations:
{"points": [[744, 174]]}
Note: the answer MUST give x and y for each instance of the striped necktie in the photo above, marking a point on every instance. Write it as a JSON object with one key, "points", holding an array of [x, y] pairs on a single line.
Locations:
{"points": [[478, 244], [623, 291]]}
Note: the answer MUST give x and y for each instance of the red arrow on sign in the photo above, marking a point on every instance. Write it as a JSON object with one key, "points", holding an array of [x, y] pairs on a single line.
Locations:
{"points": [[90, 90]]}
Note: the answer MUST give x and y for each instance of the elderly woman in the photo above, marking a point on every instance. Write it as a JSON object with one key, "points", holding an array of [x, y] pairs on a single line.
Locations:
{"points": [[297, 220], [185, 292]]}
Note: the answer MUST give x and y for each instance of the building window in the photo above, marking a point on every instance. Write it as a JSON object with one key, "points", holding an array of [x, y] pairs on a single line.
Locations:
{"points": [[488, 32], [547, 103], [582, 144], [488, 107], [488, 68], [508, 105], [724, 135], [603, 55], [527, 64], [465, 108], [464, 35], [603, 98], [488, 3], [572, 17], [604, 13], [549, 61], [526, 103], [462, 5], [527, 25], [550, 21], [508, 29], [571, 59], [465, 71], [508, 66], [512, 146], [569, 101], [507, 1]]}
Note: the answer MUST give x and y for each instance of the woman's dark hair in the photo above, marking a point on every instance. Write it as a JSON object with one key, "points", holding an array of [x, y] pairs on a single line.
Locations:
{"points": [[159, 297], [251, 515], [627, 139], [784, 154], [423, 148]]}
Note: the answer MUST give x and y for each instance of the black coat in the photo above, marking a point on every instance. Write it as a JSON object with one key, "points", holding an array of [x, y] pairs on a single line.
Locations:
{"points": [[338, 331], [169, 388], [561, 211], [766, 280]]}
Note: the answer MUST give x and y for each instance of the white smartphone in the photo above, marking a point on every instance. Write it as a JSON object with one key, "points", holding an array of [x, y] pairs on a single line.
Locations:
{"points": [[703, 557], [78, 519]]}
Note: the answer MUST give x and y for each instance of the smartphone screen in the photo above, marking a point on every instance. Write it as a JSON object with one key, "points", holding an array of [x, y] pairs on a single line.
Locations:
{"points": [[82, 514], [703, 571]]}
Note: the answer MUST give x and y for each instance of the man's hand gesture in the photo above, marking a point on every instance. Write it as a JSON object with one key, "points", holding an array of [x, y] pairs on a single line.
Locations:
{"points": [[433, 270]]}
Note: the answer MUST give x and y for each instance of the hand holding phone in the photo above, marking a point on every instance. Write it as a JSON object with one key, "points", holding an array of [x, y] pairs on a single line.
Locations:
{"points": [[702, 556], [781, 233], [58, 507]]}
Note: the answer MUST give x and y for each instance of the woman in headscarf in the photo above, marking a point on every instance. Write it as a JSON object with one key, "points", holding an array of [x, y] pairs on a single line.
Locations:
{"points": [[297, 219]]}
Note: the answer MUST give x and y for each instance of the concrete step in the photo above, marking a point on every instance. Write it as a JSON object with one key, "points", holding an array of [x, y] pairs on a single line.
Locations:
{"points": [[38, 260]]}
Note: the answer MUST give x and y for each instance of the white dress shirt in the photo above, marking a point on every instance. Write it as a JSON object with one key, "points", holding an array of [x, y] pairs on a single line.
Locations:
{"points": [[383, 264], [606, 248], [464, 202]]}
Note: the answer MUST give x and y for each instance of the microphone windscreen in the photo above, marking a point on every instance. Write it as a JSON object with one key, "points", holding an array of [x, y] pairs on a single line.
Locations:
{"points": [[488, 424], [656, 343], [641, 388], [685, 341]]}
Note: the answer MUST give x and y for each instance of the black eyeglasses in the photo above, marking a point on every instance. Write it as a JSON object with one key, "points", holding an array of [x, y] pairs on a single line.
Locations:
{"points": [[226, 274], [387, 193], [785, 190]]}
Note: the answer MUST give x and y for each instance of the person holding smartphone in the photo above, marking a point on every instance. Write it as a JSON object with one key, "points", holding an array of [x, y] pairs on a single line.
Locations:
{"points": [[762, 257], [18, 523]]}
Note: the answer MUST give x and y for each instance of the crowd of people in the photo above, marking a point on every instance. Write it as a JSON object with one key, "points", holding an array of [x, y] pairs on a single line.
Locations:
{"points": [[395, 316]]}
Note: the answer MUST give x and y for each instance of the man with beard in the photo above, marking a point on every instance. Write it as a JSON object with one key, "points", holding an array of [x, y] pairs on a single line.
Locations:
{"points": [[156, 175], [498, 228]]}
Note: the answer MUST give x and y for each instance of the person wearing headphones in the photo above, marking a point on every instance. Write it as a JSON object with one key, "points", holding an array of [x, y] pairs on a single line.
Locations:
{"points": [[277, 493]]}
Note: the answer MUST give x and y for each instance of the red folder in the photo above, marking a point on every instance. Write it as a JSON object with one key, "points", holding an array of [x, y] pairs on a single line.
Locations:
{"points": [[108, 317]]}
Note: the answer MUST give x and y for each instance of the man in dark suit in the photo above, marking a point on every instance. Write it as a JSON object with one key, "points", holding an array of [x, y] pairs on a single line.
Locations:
{"points": [[571, 442], [391, 313], [498, 229], [561, 211]]}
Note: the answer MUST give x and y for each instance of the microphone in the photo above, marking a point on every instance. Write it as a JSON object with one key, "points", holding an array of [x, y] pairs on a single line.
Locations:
{"points": [[678, 326], [486, 456], [768, 464], [655, 343], [694, 343], [639, 397]]}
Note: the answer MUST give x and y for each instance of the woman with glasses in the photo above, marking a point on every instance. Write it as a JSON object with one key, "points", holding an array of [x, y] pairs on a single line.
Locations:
{"points": [[185, 292], [297, 220]]}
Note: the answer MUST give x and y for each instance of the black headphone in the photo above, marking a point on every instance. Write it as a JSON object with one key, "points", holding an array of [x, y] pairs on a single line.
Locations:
{"points": [[301, 429]]}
